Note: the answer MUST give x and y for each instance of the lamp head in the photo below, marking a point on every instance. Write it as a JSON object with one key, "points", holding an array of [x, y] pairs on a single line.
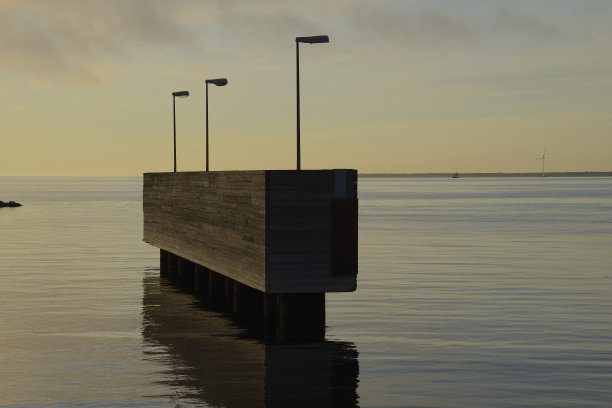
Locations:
{"points": [[218, 81], [315, 39], [180, 94]]}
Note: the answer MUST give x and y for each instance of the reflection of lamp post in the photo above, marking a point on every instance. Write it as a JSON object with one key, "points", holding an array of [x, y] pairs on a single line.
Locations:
{"points": [[316, 39], [179, 94], [218, 82]]}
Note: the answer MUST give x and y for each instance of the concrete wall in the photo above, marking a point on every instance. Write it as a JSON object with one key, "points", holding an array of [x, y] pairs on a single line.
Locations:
{"points": [[214, 219], [300, 230], [275, 231]]}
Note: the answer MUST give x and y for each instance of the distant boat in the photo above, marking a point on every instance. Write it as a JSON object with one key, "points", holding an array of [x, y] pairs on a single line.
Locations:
{"points": [[456, 175]]}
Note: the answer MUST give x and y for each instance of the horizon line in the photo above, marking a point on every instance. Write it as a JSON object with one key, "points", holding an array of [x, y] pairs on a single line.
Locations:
{"points": [[385, 174]]}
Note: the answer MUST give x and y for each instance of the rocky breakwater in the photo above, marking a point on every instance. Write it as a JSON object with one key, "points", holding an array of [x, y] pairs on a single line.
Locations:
{"points": [[9, 204]]}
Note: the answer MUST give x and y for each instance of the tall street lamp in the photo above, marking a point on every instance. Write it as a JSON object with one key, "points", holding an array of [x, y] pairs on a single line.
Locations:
{"points": [[315, 39], [179, 94], [218, 82]]}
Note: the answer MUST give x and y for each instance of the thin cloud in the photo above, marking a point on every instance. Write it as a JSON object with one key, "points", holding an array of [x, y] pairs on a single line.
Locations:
{"points": [[89, 40], [268, 24], [418, 27], [72, 39], [438, 23], [523, 27]]}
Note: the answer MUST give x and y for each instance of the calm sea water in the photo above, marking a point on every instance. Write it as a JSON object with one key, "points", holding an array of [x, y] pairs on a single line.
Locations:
{"points": [[471, 292]]}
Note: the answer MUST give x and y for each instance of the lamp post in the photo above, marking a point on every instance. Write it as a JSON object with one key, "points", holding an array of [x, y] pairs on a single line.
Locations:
{"points": [[218, 82], [315, 39], [179, 94]]}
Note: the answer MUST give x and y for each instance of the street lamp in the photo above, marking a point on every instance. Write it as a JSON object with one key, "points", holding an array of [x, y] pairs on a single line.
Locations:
{"points": [[315, 39], [179, 94], [218, 82]]}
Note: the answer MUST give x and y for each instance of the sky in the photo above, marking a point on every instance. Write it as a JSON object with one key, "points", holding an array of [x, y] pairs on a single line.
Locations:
{"points": [[411, 86]]}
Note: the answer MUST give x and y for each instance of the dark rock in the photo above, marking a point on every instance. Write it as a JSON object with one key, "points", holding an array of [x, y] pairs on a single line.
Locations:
{"points": [[9, 204]]}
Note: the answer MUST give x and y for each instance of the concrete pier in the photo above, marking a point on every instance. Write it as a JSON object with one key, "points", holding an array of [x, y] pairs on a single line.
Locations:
{"points": [[261, 243]]}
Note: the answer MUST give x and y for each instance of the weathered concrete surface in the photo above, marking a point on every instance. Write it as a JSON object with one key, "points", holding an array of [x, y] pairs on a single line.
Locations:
{"points": [[274, 231]]}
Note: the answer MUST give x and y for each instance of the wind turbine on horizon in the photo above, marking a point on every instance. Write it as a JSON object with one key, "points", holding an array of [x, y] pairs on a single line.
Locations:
{"points": [[543, 158]]}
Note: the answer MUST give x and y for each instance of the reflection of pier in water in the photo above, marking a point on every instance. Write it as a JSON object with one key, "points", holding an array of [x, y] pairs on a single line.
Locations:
{"points": [[210, 359]]}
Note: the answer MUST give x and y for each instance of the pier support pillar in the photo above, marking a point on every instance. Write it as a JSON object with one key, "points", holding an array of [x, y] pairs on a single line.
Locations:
{"points": [[293, 317], [172, 266], [270, 315], [241, 303], [200, 281], [179, 270], [247, 302], [301, 316], [185, 274], [216, 289], [163, 263], [228, 295]]}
